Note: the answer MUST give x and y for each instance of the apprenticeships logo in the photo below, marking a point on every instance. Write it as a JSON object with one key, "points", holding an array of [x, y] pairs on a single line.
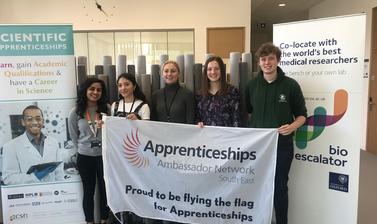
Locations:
{"points": [[320, 120], [133, 151]]}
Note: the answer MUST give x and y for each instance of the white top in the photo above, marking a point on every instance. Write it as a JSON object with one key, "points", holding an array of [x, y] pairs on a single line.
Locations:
{"points": [[144, 111]]}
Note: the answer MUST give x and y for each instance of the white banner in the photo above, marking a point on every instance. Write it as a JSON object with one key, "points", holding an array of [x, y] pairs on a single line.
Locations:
{"points": [[43, 203], [37, 68], [189, 174], [326, 56]]}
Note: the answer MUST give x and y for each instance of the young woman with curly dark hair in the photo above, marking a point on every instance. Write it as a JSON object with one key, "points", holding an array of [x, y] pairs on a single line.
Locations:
{"points": [[85, 131]]}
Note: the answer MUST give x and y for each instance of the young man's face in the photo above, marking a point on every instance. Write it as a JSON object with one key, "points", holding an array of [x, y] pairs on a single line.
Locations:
{"points": [[269, 64], [33, 121]]}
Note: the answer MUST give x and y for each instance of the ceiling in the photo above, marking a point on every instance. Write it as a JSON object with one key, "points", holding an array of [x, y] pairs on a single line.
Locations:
{"points": [[268, 12]]}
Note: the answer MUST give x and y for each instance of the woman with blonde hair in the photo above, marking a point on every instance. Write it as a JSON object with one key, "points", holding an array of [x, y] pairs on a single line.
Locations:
{"points": [[173, 103]]}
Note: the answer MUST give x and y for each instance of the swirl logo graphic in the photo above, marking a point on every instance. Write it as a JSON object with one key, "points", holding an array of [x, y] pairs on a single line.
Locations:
{"points": [[133, 151], [320, 120]]}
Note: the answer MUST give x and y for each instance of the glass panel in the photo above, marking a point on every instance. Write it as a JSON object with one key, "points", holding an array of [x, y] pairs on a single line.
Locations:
{"points": [[180, 42], [95, 45], [128, 43], [80, 43], [100, 44], [153, 44]]}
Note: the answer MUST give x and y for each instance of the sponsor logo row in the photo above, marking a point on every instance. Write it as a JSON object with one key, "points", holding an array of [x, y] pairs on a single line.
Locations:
{"points": [[39, 194]]}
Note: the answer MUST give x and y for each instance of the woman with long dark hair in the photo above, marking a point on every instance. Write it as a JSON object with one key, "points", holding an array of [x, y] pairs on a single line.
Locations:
{"points": [[218, 103], [132, 103], [85, 131]]}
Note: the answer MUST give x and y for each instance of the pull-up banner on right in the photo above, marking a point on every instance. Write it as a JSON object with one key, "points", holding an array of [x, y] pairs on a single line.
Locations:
{"points": [[326, 56]]}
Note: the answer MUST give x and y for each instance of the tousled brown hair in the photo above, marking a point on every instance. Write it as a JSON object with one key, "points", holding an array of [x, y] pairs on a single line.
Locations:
{"points": [[267, 49]]}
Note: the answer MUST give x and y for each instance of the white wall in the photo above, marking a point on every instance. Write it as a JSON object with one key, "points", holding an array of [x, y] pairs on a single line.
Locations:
{"points": [[344, 7], [135, 14], [368, 162]]}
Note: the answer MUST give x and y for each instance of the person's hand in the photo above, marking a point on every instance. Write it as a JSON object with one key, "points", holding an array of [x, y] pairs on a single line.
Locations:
{"points": [[286, 129], [132, 116], [200, 125], [40, 174], [100, 123]]}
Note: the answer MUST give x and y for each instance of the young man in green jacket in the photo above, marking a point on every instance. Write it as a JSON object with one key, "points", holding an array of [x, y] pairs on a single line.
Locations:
{"points": [[276, 101]]}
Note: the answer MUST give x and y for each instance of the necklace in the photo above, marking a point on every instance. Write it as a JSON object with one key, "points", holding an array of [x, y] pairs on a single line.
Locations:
{"points": [[132, 106], [168, 118], [93, 127]]}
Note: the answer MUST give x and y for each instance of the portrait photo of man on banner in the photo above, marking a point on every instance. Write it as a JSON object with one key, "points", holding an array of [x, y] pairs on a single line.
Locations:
{"points": [[32, 157]]}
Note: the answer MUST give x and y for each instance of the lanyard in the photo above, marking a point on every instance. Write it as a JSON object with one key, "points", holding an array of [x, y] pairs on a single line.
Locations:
{"points": [[93, 127], [132, 106], [171, 103]]}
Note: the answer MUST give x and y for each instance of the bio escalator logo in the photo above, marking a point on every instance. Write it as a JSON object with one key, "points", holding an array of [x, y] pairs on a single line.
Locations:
{"points": [[315, 124]]}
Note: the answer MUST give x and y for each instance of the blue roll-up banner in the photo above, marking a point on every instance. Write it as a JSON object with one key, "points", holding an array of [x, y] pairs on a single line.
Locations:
{"points": [[37, 71]]}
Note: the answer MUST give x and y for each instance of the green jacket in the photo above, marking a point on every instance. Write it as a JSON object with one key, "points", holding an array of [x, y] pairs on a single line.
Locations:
{"points": [[274, 104]]}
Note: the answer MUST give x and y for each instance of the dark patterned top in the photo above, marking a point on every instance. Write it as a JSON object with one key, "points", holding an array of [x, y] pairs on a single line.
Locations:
{"points": [[217, 110]]}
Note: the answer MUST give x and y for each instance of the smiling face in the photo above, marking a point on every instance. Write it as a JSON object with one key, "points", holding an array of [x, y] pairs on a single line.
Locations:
{"points": [[170, 73], [94, 92], [269, 65], [213, 71], [33, 121], [125, 88]]}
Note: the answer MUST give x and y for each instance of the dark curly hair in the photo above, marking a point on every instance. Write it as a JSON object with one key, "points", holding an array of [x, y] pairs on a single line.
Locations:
{"points": [[81, 103], [138, 94]]}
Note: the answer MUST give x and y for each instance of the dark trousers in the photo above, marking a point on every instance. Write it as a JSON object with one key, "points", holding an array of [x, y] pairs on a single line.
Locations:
{"points": [[91, 170], [129, 218], [156, 221], [283, 165]]}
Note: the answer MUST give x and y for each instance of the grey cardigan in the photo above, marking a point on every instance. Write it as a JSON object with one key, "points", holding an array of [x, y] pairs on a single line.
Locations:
{"points": [[82, 136]]}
